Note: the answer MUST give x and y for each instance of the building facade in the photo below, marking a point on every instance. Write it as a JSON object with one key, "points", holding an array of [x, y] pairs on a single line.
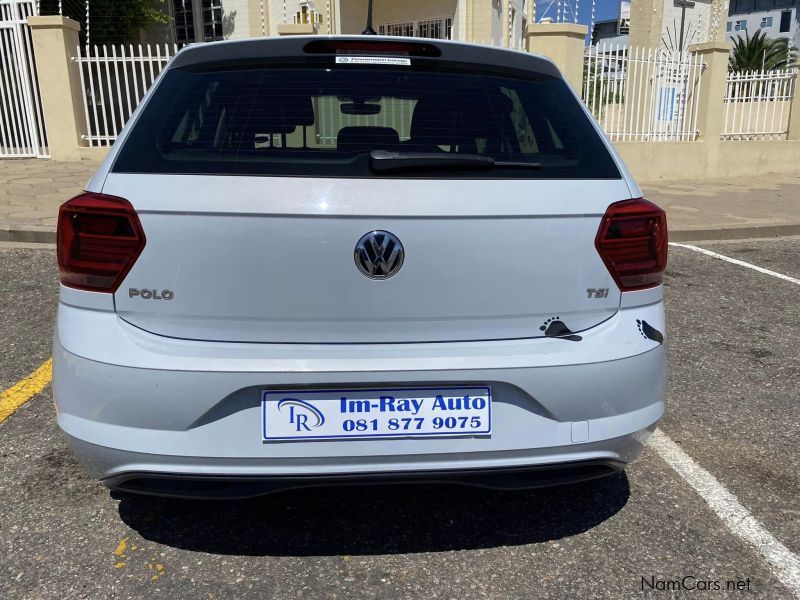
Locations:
{"points": [[668, 24], [495, 22], [776, 18], [613, 32]]}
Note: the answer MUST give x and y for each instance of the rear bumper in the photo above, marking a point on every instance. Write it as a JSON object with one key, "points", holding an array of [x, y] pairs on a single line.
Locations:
{"points": [[221, 487], [141, 411], [205, 476]]}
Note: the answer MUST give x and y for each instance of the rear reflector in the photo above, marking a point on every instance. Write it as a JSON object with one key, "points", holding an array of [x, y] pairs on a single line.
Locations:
{"points": [[632, 241], [99, 238]]}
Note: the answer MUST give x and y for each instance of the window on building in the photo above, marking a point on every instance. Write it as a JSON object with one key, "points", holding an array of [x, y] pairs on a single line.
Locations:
{"points": [[212, 20], [438, 29], [431, 28], [401, 29], [729, 26], [184, 21], [786, 21], [766, 22], [197, 20], [740, 26]]}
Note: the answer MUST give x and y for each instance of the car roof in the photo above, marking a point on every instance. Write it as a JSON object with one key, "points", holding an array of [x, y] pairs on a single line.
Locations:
{"points": [[293, 46]]}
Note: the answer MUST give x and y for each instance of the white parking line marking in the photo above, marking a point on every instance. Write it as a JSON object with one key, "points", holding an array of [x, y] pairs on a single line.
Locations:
{"points": [[735, 261], [784, 563]]}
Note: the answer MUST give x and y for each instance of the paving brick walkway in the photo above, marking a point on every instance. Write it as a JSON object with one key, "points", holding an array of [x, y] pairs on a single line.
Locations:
{"points": [[740, 207], [31, 192]]}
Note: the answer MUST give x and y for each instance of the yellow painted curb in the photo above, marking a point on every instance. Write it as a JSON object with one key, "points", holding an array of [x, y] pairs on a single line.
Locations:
{"points": [[22, 391]]}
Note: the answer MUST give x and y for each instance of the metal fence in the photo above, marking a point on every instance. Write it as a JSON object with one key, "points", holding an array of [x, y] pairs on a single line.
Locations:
{"points": [[758, 103], [114, 79], [643, 94], [636, 94], [22, 132]]}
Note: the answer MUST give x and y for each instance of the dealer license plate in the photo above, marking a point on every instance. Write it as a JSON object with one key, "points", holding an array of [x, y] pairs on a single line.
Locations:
{"points": [[376, 413]]}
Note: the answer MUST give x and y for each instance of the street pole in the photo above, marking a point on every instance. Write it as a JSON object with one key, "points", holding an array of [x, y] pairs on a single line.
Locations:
{"points": [[368, 30], [683, 4]]}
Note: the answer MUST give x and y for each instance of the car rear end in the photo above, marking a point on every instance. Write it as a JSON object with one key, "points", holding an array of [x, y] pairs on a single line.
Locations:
{"points": [[313, 260]]}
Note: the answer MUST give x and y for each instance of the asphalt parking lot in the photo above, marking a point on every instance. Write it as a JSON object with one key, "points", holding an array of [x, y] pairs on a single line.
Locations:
{"points": [[734, 385]]}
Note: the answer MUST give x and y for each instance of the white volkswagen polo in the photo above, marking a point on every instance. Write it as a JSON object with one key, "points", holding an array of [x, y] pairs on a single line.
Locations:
{"points": [[313, 260]]}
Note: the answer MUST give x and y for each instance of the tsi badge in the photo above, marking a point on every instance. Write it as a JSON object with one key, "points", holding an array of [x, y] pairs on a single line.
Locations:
{"points": [[302, 415], [597, 293]]}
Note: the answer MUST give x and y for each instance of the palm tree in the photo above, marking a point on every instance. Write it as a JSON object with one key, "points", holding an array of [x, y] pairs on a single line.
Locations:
{"points": [[759, 53]]}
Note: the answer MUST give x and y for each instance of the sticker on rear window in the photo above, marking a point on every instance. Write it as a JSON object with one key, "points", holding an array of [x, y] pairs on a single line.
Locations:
{"points": [[373, 60]]}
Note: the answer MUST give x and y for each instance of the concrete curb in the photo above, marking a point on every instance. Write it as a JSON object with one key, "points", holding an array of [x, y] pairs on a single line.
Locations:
{"points": [[47, 235], [30, 234], [744, 232]]}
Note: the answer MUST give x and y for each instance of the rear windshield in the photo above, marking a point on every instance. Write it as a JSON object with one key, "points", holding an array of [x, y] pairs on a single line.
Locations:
{"points": [[324, 122]]}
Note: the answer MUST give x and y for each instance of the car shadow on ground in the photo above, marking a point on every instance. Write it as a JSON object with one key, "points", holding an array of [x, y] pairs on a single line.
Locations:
{"points": [[379, 519]]}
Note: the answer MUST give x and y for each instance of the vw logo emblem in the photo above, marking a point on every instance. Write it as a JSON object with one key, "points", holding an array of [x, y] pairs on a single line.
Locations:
{"points": [[379, 255]]}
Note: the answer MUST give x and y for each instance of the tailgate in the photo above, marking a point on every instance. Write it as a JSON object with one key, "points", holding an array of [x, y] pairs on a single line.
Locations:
{"points": [[255, 259]]}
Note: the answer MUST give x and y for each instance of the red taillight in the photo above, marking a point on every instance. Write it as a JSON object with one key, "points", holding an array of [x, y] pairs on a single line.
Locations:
{"points": [[632, 241], [99, 238]]}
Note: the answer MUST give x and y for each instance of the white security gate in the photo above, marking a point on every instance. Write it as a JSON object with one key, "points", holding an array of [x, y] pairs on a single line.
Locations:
{"points": [[758, 104], [642, 94], [22, 131], [114, 80]]}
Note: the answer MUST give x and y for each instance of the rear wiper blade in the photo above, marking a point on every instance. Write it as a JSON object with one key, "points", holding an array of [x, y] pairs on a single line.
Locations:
{"points": [[382, 160]]}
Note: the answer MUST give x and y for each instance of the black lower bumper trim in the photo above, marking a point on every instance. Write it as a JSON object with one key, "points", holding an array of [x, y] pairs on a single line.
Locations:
{"points": [[224, 486]]}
